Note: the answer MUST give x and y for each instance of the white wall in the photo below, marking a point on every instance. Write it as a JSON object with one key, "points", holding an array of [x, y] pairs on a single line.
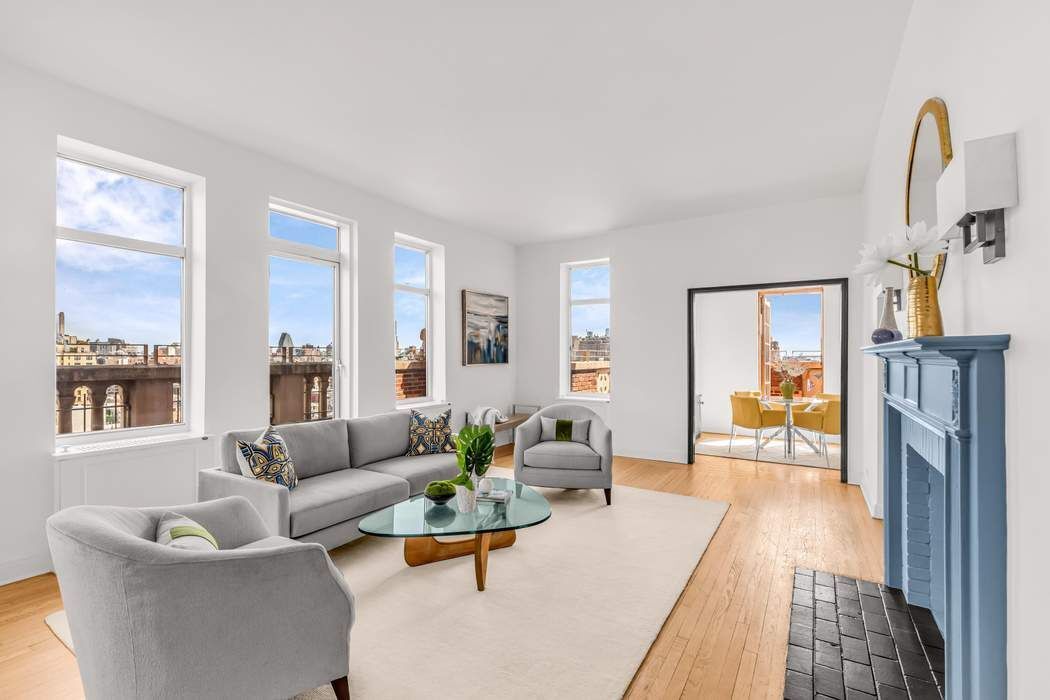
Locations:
{"points": [[990, 88], [726, 352], [651, 268], [832, 301], [239, 185]]}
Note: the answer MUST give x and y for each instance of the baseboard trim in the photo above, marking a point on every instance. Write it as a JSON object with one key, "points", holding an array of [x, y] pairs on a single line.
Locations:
{"points": [[873, 508], [26, 567], [656, 455]]}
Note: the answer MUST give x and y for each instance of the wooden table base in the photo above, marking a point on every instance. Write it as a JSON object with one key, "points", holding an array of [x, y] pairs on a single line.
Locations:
{"points": [[424, 550]]}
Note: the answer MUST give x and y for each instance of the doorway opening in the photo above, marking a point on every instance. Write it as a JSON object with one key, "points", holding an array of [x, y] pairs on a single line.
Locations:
{"points": [[767, 372]]}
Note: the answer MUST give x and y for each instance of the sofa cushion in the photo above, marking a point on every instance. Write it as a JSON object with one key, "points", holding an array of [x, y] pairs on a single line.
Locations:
{"points": [[418, 470], [322, 501], [316, 447], [378, 437], [267, 458], [430, 436], [180, 532], [561, 454], [564, 429]]}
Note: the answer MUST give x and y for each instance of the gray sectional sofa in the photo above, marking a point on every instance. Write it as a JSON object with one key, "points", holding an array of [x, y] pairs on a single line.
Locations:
{"points": [[347, 469]]}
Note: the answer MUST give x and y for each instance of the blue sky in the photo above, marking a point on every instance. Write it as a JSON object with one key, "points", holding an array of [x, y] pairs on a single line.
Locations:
{"points": [[108, 292], [410, 310], [302, 293], [293, 228], [590, 283], [301, 301], [796, 321]]}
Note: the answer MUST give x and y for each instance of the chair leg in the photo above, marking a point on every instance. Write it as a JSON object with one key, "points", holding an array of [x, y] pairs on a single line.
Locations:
{"points": [[342, 688], [732, 433], [608, 497], [758, 443]]}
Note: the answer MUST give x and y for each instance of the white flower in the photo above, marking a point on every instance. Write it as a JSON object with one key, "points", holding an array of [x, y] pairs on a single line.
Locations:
{"points": [[896, 246], [924, 241], [874, 257]]}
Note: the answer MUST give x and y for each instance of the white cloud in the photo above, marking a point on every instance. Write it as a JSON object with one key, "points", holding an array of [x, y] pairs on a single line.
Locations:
{"points": [[93, 199]]}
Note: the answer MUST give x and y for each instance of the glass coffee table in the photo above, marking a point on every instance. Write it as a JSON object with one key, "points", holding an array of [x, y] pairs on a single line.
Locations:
{"points": [[491, 526]]}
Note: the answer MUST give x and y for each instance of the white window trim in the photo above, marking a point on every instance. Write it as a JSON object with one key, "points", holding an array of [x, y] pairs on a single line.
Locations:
{"points": [[564, 389], [434, 291], [192, 310], [344, 311]]}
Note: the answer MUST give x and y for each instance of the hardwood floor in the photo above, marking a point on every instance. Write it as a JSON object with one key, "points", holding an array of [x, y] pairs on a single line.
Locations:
{"points": [[725, 638]]}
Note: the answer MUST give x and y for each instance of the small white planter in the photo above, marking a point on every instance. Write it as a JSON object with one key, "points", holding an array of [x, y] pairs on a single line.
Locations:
{"points": [[466, 499]]}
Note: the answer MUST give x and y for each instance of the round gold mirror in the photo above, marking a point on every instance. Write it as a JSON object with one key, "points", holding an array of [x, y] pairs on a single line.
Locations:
{"points": [[930, 153]]}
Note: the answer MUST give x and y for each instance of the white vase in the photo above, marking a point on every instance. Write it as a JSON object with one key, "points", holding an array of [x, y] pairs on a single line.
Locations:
{"points": [[466, 499]]}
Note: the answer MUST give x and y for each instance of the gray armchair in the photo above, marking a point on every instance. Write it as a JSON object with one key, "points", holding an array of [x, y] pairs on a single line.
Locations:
{"points": [[263, 617], [563, 464]]}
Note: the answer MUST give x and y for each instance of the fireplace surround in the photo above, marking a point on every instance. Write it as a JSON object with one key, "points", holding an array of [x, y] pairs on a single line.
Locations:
{"points": [[944, 482]]}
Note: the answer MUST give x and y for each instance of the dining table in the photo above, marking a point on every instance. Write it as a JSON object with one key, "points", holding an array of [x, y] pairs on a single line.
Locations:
{"points": [[790, 431]]}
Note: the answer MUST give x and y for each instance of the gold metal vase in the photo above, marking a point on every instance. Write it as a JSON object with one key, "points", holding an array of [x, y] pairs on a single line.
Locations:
{"points": [[924, 309]]}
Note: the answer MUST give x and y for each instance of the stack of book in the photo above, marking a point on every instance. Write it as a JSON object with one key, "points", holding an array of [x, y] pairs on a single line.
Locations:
{"points": [[495, 496]]}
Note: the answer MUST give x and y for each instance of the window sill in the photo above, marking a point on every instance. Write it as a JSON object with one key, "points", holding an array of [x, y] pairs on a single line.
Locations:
{"points": [[405, 405], [68, 451], [585, 397]]}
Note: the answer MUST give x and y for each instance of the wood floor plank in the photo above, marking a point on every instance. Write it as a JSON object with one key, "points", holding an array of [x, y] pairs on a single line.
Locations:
{"points": [[726, 637]]}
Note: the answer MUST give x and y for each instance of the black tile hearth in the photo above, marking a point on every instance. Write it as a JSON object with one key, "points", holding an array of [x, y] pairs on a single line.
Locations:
{"points": [[860, 640]]}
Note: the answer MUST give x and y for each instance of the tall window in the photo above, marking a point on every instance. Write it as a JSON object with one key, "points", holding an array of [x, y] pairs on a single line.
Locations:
{"points": [[122, 229], [412, 323], [587, 314], [304, 314]]}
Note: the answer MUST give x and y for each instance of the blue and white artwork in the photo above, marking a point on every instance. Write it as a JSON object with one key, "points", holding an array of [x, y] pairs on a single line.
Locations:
{"points": [[486, 328]]}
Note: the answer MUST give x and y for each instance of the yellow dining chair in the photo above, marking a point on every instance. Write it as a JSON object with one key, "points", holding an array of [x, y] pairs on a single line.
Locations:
{"points": [[765, 405], [824, 420], [749, 414], [832, 424]]}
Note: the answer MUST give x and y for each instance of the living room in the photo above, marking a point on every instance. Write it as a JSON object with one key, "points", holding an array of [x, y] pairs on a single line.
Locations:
{"points": [[451, 254]]}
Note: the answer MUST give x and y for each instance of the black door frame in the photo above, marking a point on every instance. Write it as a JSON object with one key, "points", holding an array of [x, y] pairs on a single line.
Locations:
{"points": [[843, 284]]}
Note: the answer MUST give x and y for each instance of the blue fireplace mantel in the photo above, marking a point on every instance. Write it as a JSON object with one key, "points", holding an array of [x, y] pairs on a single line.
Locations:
{"points": [[944, 481]]}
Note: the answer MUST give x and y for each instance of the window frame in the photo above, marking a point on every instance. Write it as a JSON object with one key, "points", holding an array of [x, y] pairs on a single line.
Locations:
{"points": [[339, 260], [567, 302], [191, 307], [426, 291]]}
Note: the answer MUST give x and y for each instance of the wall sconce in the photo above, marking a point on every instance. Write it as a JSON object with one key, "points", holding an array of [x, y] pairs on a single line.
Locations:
{"points": [[972, 192]]}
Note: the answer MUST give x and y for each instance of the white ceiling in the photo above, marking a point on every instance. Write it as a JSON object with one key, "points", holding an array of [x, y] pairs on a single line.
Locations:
{"points": [[529, 120]]}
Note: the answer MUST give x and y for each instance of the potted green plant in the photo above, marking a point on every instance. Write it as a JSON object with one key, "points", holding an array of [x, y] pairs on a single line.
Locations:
{"points": [[789, 368], [474, 447]]}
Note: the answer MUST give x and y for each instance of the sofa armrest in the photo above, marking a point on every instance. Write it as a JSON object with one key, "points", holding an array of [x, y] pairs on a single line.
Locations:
{"points": [[525, 436], [232, 605], [600, 440], [270, 500]]}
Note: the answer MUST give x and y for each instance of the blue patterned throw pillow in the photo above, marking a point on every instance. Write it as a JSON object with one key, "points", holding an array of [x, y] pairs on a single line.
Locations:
{"points": [[430, 436], [268, 459]]}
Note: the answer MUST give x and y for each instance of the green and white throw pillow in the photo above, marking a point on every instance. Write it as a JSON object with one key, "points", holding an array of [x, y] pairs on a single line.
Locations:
{"points": [[430, 436], [268, 459], [178, 531], [564, 430]]}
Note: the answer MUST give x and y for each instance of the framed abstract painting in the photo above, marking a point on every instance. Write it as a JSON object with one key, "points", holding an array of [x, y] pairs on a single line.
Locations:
{"points": [[486, 328]]}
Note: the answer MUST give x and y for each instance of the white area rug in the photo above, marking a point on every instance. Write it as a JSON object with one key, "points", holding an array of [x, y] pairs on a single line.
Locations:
{"points": [[569, 611], [744, 448]]}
